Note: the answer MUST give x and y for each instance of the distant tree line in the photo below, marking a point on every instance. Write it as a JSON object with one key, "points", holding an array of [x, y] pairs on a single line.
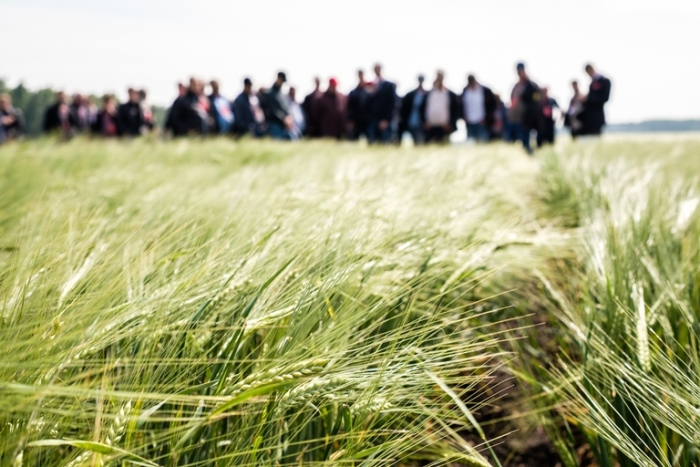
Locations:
{"points": [[35, 103]]}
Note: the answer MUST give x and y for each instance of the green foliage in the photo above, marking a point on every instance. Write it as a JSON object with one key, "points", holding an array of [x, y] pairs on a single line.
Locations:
{"points": [[190, 303], [628, 377], [253, 303]]}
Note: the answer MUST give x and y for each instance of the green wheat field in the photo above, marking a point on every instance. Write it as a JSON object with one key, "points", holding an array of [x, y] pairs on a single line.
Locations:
{"points": [[252, 303]]}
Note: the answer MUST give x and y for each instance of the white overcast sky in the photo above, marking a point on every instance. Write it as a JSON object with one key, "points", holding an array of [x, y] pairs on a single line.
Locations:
{"points": [[650, 49]]}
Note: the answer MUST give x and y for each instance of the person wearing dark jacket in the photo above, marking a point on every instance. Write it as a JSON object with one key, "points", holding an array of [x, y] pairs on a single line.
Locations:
{"points": [[546, 132], [410, 115], [479, 107], [572, 119], [11, 119], [329, 111], [106, 123], [149, 120], [248, 114], [168, 125], [382, 108], [525, 106], [279, 119], [188, 115], [593, 115], [441, 110], [500, 119], [130, 115], [358, 109], [312, 125], [58, 117]]}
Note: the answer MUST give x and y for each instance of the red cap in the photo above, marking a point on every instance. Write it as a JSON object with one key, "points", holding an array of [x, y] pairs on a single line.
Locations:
{"points": [[333, 82]]}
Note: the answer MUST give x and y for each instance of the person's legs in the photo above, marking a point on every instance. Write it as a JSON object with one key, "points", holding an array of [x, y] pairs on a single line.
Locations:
{"points": [[386, 135], [363, 131], [416, 135], [354, 133], [525, 135], [373, 132], [259, 131], [482, 133], [507, 136], [429, 135], [513, 132], [550, 133], [471, 131], [277, 131], [595, 131], [435, 134], [442, 135]]}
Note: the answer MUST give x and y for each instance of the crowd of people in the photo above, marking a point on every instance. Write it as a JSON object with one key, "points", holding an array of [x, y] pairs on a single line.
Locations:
{"points": [[372, 110], [80, 115]]}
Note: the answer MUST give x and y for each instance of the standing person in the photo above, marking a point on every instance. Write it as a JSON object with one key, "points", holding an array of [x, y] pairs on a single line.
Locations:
{"points": [[11, 119], [220, 110], [329, 111], [149, 120], [525, 106], [500, 119], [307, 106], [187, 115], [248, 114], [58, 117], [441, 110], [296, 112], [83, 112], [106, 123], [358, 108], [410, 115], [130, 115], [92, 110], [593, 116], [204, 108], [279, 120], [571, 120], [181, 91], [546, 132], [511, 129], [479, 107], [382, 108]]}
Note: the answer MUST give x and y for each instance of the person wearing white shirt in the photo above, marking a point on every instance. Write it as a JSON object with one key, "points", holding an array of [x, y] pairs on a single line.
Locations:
{"points": [[479, 107], [440, 111], [296, 112]]}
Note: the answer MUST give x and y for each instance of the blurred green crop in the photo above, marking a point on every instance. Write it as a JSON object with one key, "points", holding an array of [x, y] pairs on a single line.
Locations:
{"points": [[200, 303], [256, 303]]}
